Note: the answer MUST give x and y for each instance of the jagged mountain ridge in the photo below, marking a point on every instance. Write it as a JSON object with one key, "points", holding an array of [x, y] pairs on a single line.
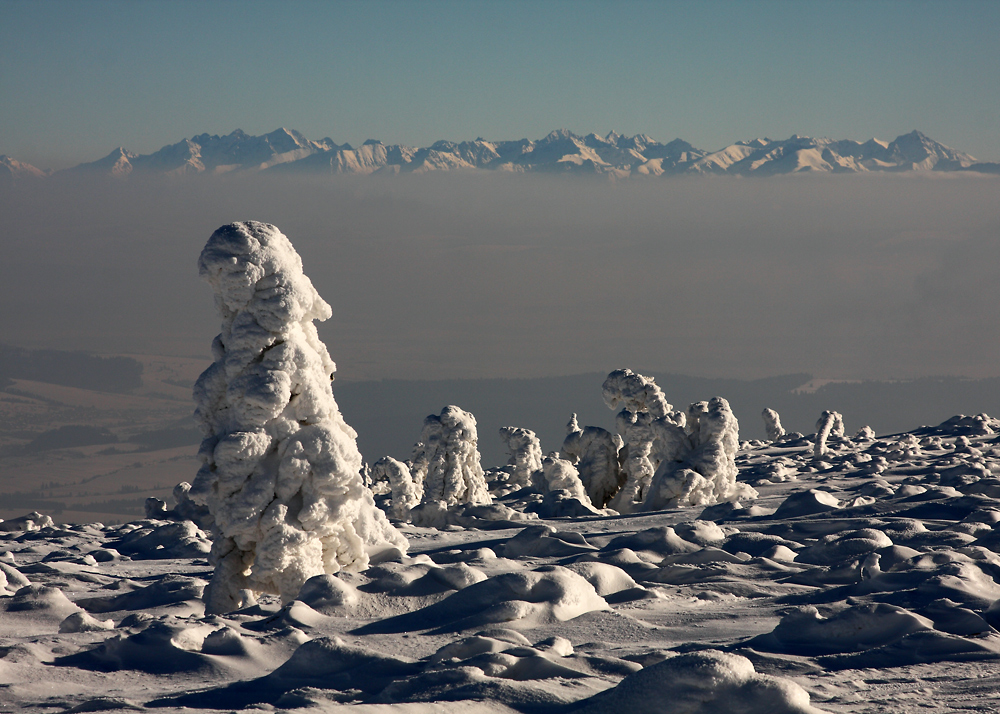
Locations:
{"points": [[289, 152], [12, 170]]}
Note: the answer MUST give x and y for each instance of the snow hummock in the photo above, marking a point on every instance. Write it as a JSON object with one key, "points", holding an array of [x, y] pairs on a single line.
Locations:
{"points": [[281, 473]]}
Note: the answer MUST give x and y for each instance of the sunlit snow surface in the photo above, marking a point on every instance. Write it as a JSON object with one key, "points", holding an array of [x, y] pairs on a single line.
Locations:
{"points": [[862, 580]]}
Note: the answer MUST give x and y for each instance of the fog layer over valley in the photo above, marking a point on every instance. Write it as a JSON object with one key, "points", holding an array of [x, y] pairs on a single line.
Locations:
{"points": [[471, 275]]}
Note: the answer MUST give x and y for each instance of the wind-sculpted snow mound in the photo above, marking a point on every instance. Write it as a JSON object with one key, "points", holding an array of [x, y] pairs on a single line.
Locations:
{"points": [[38, 603], [281, 474], [170, 590], [707, 682], [548, 595]]}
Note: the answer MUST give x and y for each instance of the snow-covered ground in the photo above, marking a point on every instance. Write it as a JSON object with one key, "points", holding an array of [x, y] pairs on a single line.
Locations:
{"points": [[864, 577]]}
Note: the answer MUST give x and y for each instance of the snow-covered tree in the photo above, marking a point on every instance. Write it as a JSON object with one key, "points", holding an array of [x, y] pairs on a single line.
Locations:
{"points": [[699, 460], [830, 423], [772, 424], [594, 452], [525, 454], [281, 468], [634, 392], [406, 493], [446, 460], [643, 403], [557, 474]]}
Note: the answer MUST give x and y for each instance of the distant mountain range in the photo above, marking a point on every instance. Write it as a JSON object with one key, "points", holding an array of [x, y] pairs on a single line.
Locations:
{"points": [[615, 155]]}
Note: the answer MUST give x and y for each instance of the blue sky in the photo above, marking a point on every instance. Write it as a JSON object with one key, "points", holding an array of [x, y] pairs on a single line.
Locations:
{"points": [[78, 79]]}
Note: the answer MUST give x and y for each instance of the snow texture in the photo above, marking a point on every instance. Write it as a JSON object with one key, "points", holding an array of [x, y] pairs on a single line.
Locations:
{"points": [[839, 579], [446, 460], [281, 474]]}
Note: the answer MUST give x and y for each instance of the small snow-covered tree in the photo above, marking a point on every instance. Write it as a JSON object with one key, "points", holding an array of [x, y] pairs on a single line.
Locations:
{"points": [[555, 474], [772, 424], [406, 493], [525, 454], [830, 423], [446, 460], [699, 460], [281, 468], [594, 452]]}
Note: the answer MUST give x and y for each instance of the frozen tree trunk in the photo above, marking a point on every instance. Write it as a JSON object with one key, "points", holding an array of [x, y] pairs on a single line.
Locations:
{"points": [[830, 423], [281, 468], [446, 460], [525, 454], [772, 424], [406, 493], [699, 461]]}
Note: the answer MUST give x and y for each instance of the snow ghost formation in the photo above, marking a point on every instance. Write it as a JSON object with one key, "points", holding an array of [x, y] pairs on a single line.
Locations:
{"points": [[557, 474], [830, 423], [525, 454], [281, 468], [698, 466], [643, 403], [446, 460], [772, 424], [406, 493], [594, 452]]}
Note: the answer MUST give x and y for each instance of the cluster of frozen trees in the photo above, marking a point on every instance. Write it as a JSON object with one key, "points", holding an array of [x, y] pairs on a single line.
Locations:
{"points": [[660, 457], [281, 485]]}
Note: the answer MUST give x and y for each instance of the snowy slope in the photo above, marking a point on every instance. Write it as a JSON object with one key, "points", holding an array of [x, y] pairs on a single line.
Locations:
{"points": [[12, 171]]}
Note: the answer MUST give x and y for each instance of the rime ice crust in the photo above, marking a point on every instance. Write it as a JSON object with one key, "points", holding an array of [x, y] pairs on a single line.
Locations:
{"points": [[281, 473]]}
